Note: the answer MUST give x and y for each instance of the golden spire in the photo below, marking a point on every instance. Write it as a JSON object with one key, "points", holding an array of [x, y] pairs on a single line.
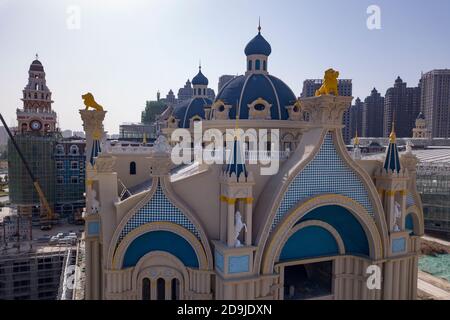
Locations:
{"points": [[356, 140], [392, 136], [144, 139]]}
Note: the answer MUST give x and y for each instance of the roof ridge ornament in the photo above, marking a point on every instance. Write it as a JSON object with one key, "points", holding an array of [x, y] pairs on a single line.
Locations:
{"points": [[259, 25]]}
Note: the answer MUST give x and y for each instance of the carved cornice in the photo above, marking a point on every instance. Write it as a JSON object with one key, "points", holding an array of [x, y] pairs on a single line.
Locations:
{"points": [[326, 110]]}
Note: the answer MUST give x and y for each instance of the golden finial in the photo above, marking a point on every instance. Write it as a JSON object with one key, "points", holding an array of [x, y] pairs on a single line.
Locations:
{"points": [[392, 136], [144, 140], [356, 140]]}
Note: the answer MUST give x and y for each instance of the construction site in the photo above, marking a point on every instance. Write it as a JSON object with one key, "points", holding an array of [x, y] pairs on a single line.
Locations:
{"points": [[433, 183]]}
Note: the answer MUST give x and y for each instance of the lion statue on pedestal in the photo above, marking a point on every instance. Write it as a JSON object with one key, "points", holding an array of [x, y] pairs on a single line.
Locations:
{"points": [[90, 102], [330, 83]]}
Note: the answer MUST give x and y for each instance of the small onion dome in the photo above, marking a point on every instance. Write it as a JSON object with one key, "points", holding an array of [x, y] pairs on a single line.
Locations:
{"points": [[36, 65], [200, 79], [258, 45]]}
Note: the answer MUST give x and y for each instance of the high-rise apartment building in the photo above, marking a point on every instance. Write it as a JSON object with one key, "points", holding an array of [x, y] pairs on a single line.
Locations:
{"points": [[435, 102], [402, 106], [372, 115]]}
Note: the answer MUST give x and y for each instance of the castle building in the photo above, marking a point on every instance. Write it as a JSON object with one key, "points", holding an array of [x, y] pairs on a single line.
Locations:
{"points": [[324, 225]]}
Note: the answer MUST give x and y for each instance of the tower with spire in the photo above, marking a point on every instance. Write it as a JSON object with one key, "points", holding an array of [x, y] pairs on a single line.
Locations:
{"points": [[37, 115], [392, 184], [200, 84], [258, 51]]}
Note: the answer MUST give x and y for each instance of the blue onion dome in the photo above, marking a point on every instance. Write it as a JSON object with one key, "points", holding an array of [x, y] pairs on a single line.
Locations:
{"points": [[200, 79], [185, 110], [36, 65], [243, 90], [258, 45]]}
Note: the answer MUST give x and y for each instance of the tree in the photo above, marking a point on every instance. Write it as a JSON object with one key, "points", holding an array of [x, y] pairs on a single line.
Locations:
{"points": [[152, 109]]}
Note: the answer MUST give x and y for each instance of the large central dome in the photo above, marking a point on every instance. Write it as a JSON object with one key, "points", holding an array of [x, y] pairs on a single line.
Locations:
{"points": [[243, 90]]}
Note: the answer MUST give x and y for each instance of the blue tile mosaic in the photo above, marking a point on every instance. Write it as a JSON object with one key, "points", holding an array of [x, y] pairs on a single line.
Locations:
{"points": [[327, 173], [159, 208]]}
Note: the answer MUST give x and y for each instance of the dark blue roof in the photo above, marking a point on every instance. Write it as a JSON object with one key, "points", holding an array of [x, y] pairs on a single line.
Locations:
{"points": [[392, 161], [421, 116], [36, 65], [236, 163], [200, 79], [185, 110], [258, 45], [243, 90]]}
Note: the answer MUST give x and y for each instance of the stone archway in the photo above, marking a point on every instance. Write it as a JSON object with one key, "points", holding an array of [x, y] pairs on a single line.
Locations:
{"points": [[160, 276], [279, 236]]}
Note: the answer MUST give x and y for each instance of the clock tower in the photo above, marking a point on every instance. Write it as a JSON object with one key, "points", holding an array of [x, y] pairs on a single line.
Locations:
{"points": [[37, 115]]}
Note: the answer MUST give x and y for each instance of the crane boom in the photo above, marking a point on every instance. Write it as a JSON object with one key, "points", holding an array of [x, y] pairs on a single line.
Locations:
{"points": [[43, 199]]}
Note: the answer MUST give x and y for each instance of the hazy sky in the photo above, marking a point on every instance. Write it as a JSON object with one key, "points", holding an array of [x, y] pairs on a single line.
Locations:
{"points": [[125, 50]]}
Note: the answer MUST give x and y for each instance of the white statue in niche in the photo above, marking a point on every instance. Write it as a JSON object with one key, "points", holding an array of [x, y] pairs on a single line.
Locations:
{"points": [[95, 205], [238, 226], [398, 215]]}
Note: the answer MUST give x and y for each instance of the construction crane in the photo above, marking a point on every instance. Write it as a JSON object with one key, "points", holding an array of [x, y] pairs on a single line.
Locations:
{"points": [[46, 219]]}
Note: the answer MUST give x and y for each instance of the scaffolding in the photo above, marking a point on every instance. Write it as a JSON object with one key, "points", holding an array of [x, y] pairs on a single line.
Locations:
{"points": [[433, 183], [38, 150]]}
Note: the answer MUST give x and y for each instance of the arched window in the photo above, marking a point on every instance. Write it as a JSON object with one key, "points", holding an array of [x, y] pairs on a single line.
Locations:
{"points": [[74, 150], [249, 65], [175, 289], [146, 289], [257, 64], [204, 92], [132, 168], [264, 65], [59, 149], [160, 289]]}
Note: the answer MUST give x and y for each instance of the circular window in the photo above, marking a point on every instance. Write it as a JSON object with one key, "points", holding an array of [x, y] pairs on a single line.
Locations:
{"points": [[260, 107]]}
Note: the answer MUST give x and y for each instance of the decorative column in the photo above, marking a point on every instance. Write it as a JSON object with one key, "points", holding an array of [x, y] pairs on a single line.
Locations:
{"points": [[234, 252], [93, 127]]}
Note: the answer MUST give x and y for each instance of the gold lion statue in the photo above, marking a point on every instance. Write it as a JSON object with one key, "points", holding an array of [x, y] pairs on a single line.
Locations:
{"points": [[330, 83], [90, 102]]}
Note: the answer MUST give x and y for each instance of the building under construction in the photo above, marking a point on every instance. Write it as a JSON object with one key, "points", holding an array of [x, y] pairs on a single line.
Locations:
{"points": [[32, 275], [56, 162], [433, 183], [38, 150]]}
